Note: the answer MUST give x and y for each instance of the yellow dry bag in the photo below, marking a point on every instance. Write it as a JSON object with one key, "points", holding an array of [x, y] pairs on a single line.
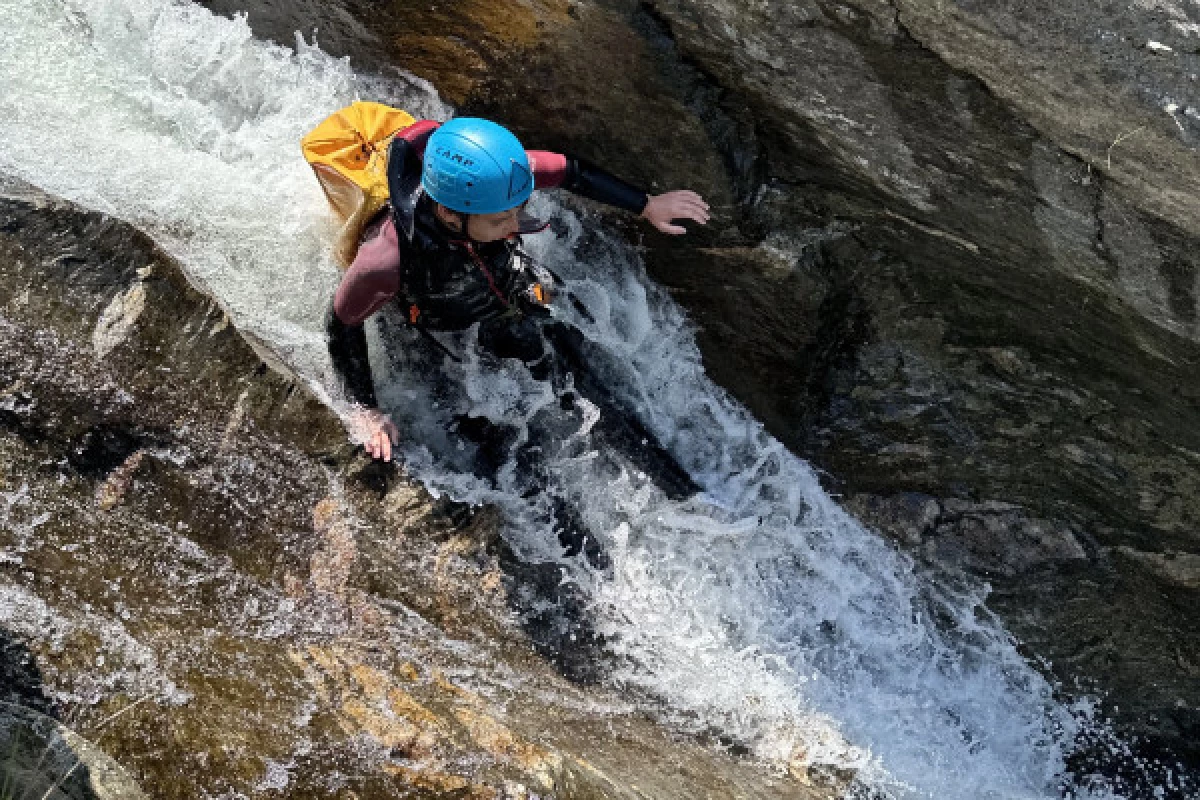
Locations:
{"points": [[349, 151]]}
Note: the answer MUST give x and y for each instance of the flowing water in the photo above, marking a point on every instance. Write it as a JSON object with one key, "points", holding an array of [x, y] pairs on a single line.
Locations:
{"points": [[757, 609]]}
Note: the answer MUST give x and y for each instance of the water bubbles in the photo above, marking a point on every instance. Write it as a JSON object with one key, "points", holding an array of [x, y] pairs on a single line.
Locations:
{"points": [[182, 123], [756, 608], [759, 608]]}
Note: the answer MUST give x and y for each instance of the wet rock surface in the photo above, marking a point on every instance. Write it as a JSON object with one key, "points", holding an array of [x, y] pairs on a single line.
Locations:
{"points": [[953, 259], [953, 264], [200, 574]]}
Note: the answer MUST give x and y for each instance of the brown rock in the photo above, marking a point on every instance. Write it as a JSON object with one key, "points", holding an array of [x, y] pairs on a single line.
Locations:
{"points": [[184, 613]]}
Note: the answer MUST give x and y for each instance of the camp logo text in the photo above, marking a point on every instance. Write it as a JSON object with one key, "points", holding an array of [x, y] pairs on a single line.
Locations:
{"points": [[458, 158]]}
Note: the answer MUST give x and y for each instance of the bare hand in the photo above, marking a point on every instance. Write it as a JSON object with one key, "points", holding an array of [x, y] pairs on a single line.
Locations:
{"points": [[376, 431], [663, 209]]}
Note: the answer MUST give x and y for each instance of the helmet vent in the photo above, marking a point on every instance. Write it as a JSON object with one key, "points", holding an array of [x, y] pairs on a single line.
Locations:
{"points": [[519, 180]]}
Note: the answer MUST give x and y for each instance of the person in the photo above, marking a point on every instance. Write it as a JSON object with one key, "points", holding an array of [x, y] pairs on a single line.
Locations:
{"points": [[447, 249]]}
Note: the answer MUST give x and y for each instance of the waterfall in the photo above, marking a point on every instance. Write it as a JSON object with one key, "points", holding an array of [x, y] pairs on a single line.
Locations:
{"points": [[757, 608]]}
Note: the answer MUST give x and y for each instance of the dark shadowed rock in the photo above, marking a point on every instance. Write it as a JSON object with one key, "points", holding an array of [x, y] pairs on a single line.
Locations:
{"points": [[1016, 340]]}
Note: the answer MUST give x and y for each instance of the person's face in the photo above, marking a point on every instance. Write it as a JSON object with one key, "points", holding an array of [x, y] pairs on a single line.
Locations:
{"points": [[493, 227], [485, 227]]}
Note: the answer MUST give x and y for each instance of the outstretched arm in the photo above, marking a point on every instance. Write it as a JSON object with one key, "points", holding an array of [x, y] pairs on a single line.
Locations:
{"points": [[554, 170]]}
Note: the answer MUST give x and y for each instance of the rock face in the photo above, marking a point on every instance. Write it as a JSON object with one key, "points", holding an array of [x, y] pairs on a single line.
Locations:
{"points": [[1002, 366], [954, 264], [198, 574]]}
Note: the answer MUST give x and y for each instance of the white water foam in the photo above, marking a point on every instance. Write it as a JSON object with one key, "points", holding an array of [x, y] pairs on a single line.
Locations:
{"points": [[759, 609], [180, 122]]}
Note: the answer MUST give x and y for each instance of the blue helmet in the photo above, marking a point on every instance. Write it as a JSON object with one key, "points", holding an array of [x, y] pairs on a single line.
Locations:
{"points": [[475, 166]]}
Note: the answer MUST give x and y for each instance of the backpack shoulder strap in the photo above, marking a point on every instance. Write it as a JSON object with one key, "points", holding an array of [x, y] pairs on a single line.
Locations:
{"points": [[404, 179]]}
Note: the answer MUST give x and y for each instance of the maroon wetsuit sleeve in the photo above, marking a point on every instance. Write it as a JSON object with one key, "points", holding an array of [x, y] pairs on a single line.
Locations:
{"points": [[418, 134], [549, 169], [373, 278]]}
